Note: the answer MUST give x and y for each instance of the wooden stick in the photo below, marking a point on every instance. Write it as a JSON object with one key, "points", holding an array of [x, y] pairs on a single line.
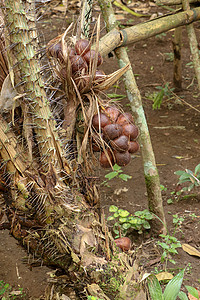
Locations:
{"points": [[177, 76], [116, 38], [133, 93], [173, 2], [193, 44]]}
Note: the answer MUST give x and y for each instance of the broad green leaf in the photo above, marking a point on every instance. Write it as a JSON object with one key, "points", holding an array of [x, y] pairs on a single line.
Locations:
{"points": [[126, 226], [154, 288], [179, 173], [125, 177], [110, 218], [182, 296], [184, 177], [116, 167], [113, 208], [123, 213], [173, 287], [197, 169], [122, 220], [111, 175], [116, 215], [146, 225], [192, 291]]}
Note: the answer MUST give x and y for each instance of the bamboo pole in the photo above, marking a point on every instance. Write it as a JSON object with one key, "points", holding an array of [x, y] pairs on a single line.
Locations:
{"points": [[116, 38], [193, 44], [177, 76], [149, 164]]}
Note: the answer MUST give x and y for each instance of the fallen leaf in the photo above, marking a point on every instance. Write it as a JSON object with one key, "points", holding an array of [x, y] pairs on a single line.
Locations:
{"points": [[164, 276], [190, 250]]}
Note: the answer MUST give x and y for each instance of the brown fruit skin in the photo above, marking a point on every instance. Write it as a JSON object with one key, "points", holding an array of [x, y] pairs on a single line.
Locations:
{"points": [[104, 120], [77, 63], [55, 50], [131, 131], [133, 146], [104, 160], [90, 56], [112, 113], [112, 131], [124, 119], [122, 158], [82, 47], [120, 144], [123, 243]]}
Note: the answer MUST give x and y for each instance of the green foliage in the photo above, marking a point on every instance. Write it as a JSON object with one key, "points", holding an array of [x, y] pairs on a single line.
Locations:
{"points": [[7, 293], [93, 298], [116, 173], [124, 220], [116, 97], [164, 91], [168, 244], [169, 56], [192, 179], [171, 291]]}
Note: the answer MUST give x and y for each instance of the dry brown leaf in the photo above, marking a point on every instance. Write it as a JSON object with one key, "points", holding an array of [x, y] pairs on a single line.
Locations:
{"points": [[164, 276], [190, 250], [192, 297]]}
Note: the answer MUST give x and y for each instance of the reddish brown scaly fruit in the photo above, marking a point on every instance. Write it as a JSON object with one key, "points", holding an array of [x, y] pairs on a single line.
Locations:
{"points": [[104, 162], [133, 146], [90, 56], [104, 120], [82, 47], [131, 131], [124, 119], [72, 52], [120, 144], [55, 50], [77, 63], [123, 243], [122, 158], [112, 113], [112, 131]]}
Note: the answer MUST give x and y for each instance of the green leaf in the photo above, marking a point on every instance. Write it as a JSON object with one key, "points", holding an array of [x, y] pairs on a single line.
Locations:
{"points": [[197, 169], [113, 208], [123, 213], [116, 167], [126, 226], [154, 288], [173, 287], [182, 296], [125, 177], [192, 291], [111, 175], [179, 173], [122, 220], [185, 177], [146, 225], [110, 218]]}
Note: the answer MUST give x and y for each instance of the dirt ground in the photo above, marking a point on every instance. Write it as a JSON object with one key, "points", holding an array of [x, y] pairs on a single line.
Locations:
{"points": [[175, 135]]}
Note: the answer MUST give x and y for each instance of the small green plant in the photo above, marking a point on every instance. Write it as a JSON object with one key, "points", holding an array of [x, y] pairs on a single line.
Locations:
{"points": [[7, 293], [161, 36], [169, 56], [190, 178], [124, 220], [116, 173], [172, 290], [177, 221], [93, 298], [164, 92], [168, 244], [116, 97]]}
